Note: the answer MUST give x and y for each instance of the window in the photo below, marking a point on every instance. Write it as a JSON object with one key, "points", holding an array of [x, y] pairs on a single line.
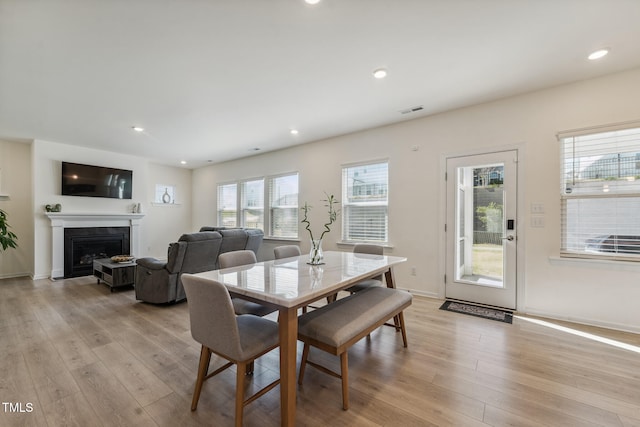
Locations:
{"points": [[165, 194], [227, 205], [365, 202], [600, 194], [243, 204], [283, 203], [252, 202]]}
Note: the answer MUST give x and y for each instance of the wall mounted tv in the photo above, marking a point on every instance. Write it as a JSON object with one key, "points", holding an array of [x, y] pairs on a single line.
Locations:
{"points": [[96, 181]]}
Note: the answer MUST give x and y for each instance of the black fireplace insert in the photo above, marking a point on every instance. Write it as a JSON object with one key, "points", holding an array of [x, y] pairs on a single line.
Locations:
{"points": [[83, 245]]}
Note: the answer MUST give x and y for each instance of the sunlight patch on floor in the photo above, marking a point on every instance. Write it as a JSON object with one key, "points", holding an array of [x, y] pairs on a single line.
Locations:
{"points": [[587, 335]]}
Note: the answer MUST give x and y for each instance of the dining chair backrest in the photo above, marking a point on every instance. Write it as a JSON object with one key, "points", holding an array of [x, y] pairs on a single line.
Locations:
{"points": [[367, 248], [211, 314], [236, 258], [286, 251]]}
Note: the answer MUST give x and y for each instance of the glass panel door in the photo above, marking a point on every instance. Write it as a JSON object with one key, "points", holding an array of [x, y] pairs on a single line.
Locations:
{"points": [[481, 228]]}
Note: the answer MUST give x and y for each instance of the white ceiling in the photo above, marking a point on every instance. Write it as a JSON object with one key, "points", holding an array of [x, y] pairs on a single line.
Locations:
{"points": [[211, 80]]}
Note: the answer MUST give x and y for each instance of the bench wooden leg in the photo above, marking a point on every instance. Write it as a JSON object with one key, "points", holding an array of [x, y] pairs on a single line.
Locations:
{"points": [[403, 328], [303, 362], [344, 374]]}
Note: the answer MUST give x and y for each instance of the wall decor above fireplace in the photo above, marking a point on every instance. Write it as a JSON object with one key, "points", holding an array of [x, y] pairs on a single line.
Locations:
{"points": [[96, 181]]}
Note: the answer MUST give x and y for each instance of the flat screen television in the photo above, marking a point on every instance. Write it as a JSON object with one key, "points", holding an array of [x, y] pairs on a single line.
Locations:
{"points": [[96, 181]]}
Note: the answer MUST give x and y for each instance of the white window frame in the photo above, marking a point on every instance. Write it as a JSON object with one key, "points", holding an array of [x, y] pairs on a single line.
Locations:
{"points": [[272, 231], [348, 204], [219, 219], [598, 210], [162, 190], [244, 206], [266, 207]]}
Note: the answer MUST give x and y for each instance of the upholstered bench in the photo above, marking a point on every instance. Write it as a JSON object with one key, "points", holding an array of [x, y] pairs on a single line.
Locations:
{"points": [[337, 326]]}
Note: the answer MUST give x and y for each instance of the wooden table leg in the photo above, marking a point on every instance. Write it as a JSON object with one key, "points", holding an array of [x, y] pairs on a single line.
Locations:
{"points": [[288, 322], [389, 278]]}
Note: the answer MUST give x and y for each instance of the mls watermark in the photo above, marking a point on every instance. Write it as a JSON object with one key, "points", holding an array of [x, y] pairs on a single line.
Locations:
{"points": [[17, 407]]}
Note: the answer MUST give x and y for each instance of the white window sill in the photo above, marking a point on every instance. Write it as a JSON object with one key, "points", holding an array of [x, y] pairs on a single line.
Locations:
{"points": [[351, 244], [595, 263], [282, 239]]}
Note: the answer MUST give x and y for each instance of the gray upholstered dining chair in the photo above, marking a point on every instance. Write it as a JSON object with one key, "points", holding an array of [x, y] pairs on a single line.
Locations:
{"points": [[238, 339], [366, 248], [235, 259], [286, 251]]}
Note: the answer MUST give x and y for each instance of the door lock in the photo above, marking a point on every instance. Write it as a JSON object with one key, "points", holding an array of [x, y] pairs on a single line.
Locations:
{"points": [[509, 237]]}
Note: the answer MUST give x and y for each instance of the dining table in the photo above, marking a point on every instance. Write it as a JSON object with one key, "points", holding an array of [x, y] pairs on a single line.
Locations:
{"points": [[289, 284]]}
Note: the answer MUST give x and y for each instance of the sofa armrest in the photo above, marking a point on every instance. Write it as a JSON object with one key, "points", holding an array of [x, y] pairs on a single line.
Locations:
{"points": [[151, 263]]}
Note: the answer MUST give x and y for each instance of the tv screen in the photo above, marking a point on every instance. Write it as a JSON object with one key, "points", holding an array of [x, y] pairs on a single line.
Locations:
{"points": [[96, 181]]}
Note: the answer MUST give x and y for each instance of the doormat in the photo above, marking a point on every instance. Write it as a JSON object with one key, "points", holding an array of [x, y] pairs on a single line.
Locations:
{"points": [[478, 311]]}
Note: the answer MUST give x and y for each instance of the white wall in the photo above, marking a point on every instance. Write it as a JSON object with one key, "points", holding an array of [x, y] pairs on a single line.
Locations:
{"points": [[598, 293], [167, 222], [158, 228], [15, 181]]}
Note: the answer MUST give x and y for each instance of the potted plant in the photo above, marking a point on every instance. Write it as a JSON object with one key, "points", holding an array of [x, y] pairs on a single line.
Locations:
{"points": [[316, 256], [7, 237]]}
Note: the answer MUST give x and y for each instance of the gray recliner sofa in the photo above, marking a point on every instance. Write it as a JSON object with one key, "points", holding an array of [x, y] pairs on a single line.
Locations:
{"points": [[160, 282], [237, 239]]}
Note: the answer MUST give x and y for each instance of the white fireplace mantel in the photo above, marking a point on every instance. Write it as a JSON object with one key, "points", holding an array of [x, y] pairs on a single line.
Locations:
{"points": [[62, 220]]}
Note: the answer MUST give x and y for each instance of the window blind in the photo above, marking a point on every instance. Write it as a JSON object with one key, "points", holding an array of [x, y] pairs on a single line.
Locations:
{"points": [[227, 205], [600, 194], [252, 203], [283, 206], [365, 202]]}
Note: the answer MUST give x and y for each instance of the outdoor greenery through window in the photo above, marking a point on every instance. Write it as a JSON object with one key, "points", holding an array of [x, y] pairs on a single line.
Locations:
{"points": [[365, 202], [242, 204], [600, 194]]}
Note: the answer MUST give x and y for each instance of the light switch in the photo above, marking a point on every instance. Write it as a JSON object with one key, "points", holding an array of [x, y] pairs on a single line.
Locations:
{"points": [[537, 221], [537, 208]]}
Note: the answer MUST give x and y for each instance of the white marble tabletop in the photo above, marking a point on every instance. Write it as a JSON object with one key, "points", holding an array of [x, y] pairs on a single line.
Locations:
{"points": [[291, 282]]}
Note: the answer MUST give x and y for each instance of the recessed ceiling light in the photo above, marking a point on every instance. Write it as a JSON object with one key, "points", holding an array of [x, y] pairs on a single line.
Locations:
{"points": [[380, 73], [294, 131], [183, 162], [254, 149], [598, 54], [312, 1], [137, 128]]}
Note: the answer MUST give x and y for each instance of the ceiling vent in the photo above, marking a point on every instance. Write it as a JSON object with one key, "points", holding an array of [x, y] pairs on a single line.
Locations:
{"points": [[412, 109]]}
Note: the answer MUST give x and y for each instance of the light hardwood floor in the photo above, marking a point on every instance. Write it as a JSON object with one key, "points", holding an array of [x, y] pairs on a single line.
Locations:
{"points": [[82, 356]]}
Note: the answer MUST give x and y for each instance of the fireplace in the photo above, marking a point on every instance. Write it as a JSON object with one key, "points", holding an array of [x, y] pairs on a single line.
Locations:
{"points": [[62, 221], [83, 245]]}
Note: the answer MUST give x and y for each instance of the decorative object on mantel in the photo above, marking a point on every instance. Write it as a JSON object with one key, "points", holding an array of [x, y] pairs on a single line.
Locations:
{"points": [[316, 256], [139, 208], [7, 238], [53, 208]]}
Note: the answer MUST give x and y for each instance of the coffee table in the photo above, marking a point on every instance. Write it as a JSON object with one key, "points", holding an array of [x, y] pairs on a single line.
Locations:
{"points": [[114, 274]]}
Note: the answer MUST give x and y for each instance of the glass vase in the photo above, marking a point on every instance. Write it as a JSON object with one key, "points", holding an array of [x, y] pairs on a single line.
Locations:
{"points": [[315, 255]]}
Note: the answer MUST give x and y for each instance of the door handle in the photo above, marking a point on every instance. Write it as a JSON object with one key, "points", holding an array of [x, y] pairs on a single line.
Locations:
{"points": [[509, 237]]}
